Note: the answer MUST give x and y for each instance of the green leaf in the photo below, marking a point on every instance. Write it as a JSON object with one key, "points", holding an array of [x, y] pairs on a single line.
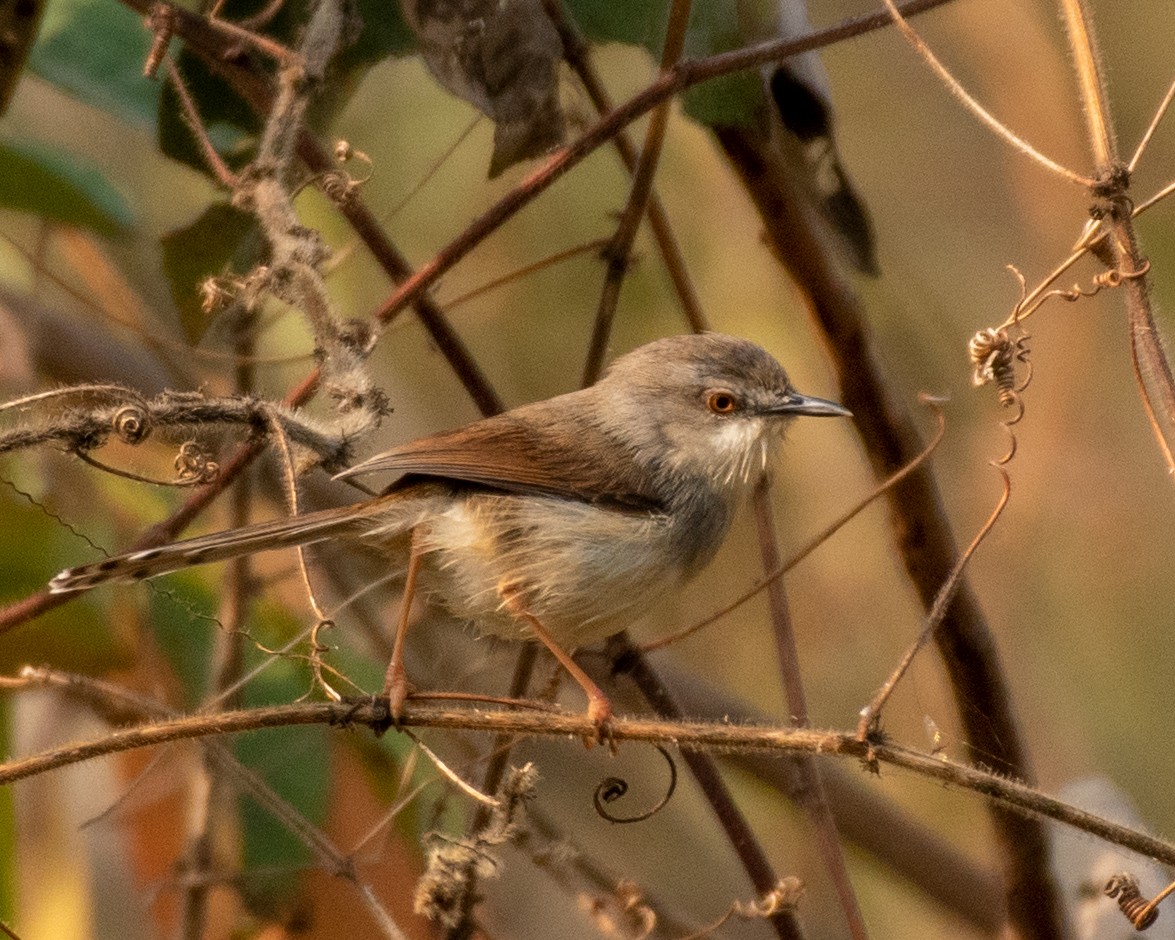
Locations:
{"points": [[94, 51], [295, 763], [637, 22], [223, 240], [732, 99], [714, 27], [56, 186]]}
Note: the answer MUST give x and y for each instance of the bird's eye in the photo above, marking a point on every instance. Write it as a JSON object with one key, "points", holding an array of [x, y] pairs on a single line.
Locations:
{"points": [[721, 402]]}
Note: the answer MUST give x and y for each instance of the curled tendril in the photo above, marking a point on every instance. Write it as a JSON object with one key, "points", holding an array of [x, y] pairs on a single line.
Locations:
{"points": [[612, 789], [316, 650], [785, 895], [338, 185], [193, 464], [1106, 280], [131, 423], [995, 354], [1123, 888]]}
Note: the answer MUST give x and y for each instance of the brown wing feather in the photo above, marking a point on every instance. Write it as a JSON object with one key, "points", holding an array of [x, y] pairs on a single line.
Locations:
{"points": [[511, 453]]}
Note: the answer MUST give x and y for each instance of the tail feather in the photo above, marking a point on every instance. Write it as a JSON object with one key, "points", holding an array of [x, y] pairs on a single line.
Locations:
{"points": [[150, 562]]}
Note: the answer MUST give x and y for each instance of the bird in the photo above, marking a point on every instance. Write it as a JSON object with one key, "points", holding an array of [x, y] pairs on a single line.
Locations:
{"points": [[560, 521]]}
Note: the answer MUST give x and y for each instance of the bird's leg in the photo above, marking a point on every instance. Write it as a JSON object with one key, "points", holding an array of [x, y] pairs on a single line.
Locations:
{"points": [[395, 688], [599, 709]]}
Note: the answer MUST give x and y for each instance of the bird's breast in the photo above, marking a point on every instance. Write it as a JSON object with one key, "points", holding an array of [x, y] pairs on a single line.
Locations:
{"points": [[585, 571]]}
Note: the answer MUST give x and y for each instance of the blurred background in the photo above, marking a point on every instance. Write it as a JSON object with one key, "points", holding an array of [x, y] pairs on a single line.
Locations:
{"points": [[1075, 579]]}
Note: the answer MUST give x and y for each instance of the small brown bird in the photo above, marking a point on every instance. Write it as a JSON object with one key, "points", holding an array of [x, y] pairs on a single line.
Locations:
{"points": [[561, 520]]}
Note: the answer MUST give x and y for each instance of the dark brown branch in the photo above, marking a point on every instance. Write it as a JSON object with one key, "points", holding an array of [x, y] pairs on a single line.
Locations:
{"points": [[685, 75], [693, 736], [982, 696], [738, 831], [814, 799], [578, 56], [618, 254]]}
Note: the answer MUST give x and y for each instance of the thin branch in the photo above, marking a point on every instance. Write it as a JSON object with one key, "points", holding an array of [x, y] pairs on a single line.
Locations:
{"points": [[871, 713], [192, 120], [738, 830], [816, 541], [815, 798], [921, 529], [692, 736], [1160, 113], [577, 52], [1152, 369], [970, 104], [211, 808], [133, 418], [115, 704], [685, 75], [491, 780], [1090, 81], [619, 253]]}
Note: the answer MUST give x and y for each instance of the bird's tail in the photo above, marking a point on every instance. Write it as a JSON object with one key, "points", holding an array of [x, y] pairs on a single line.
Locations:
{"points": [[279, 533]]}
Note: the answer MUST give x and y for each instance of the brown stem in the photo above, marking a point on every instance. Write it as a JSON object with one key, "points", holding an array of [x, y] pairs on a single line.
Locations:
{"points": [[738, 831], [578, 56], [491, 780], [864, 816], [685, 75], [814, 798], [210, 791], [924, 538], [619, 253], [1152, 369], [693, 737]]}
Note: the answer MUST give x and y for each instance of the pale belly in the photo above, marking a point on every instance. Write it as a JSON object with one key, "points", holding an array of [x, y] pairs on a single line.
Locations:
{"points": [[583, 571]]}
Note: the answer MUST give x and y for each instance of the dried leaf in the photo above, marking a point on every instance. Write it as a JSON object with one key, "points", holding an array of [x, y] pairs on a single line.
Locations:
{"points": [[502, 56]]}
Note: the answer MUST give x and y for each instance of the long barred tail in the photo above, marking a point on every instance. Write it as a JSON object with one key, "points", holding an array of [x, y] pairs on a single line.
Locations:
{"points": [[150, 562]]}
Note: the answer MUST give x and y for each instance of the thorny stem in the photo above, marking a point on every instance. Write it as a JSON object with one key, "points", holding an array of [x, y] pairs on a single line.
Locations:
{"points": [[814, 797], [692, 736], [618, 254]]}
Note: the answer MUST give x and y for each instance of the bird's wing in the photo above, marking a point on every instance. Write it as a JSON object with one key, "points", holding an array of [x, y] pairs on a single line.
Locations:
{"points": [[515, 455]]}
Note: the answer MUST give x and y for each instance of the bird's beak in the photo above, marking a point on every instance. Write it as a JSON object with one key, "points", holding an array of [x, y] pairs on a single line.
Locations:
{"points": [[793, 403]]}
